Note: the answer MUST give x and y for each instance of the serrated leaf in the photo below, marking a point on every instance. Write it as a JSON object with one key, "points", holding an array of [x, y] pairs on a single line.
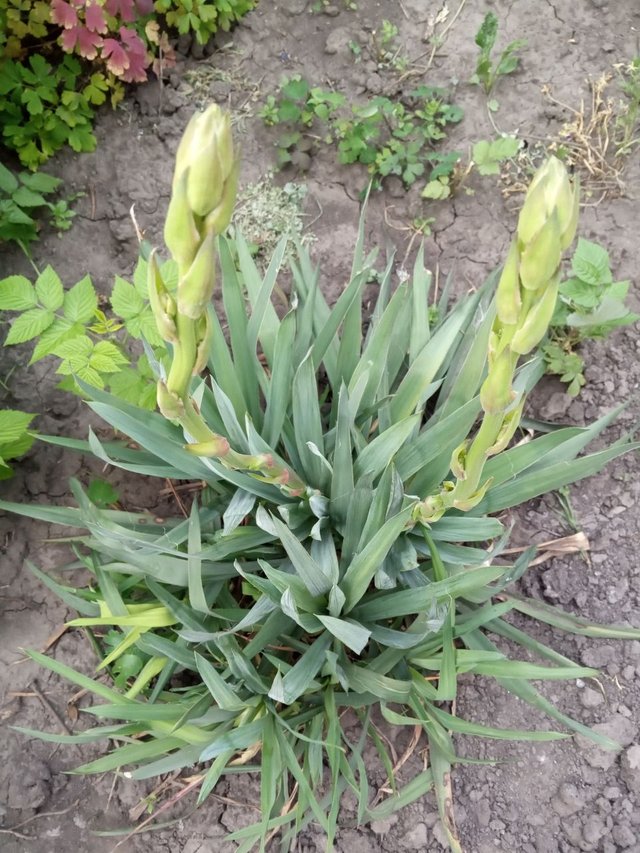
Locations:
{"points": [[80, 302], [49, 289], [590, 263], [125, 299], [13, 425], [29, 325], [59, 331], [8, 181], [107, 358], [17, 294]]}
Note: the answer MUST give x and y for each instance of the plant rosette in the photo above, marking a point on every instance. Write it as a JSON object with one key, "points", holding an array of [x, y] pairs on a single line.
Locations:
{"points": [[348, 552]]}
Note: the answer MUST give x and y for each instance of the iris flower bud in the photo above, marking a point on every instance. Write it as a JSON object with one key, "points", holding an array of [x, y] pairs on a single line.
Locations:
{"points": [[161, 301], [170, 404], [204, 335], [180, 232], [195, 289], [541, 256], [496, 393], [206, 156], [536, 323], [508, 300]]}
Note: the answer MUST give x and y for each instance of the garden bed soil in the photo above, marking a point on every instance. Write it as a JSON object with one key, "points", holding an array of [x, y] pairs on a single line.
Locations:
{"points": [[562, 796]]}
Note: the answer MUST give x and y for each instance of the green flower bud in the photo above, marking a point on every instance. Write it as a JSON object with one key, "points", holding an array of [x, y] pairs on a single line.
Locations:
{"points": [[509, 426], [458, 459], [206, 155], [534, 212], [572, 224], [195, 289], [429, 510], [496, 393], [541, 256], [180, 231], [216, 447], [170, 404], [536, 323], [465, 504], [508, 301], [220, 217], [162, 304], [550, 191], [204, 334]]}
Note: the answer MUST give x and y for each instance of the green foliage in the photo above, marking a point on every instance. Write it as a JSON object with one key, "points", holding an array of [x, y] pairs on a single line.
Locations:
{"points": [[590, 306], [488, 156], [566, 364], [87, 345], [44, 107], [102, 494], [450, 172], [15, 438], [387, 136], [203, 17], [59, 62], [627, 120], [386, 47], [242, 634], [22, 199], [488, 69]]}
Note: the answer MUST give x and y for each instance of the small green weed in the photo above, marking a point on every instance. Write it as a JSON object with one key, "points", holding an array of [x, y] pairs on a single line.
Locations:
{"points": [[387, 49], [488, 69], [23, 197], [627, 121], [15, 438], [390, 137], [590, 306], [487, 158]]}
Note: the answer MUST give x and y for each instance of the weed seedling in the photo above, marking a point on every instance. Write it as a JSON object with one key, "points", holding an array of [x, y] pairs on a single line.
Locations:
{"points": [[590, 306], [628, 118], [489, 69]]}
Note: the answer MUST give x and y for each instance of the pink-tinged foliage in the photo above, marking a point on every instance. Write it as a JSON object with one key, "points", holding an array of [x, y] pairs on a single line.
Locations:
{"points": [[124, 9], [115, 56], [145, 7], [82, 41], [63, 14], [137, 53], [94, 18]]}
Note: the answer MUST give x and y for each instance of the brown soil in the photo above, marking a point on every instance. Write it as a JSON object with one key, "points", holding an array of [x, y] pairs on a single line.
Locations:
{"points": [[563, 796]]}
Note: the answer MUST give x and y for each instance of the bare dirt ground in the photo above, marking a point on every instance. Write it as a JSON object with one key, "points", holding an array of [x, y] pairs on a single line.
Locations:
{"points": [[564, 796]]}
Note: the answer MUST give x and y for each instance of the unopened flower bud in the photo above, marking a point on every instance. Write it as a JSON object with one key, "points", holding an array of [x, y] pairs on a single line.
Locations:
{"points": [[220, 217], [465, 504], [195, 289], [170, 404], [550, 191], [509, 426], [571, 226], [180, 231], [206, 154], [536, 323], [204, 334], [496, 393], [508, 301], [161, 301], [458, 459], [216, 447], [541, 256]]}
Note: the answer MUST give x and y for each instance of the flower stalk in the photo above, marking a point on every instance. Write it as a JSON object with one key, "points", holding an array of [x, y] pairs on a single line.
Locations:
{"points": [[525, 301], [202, 200]]}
